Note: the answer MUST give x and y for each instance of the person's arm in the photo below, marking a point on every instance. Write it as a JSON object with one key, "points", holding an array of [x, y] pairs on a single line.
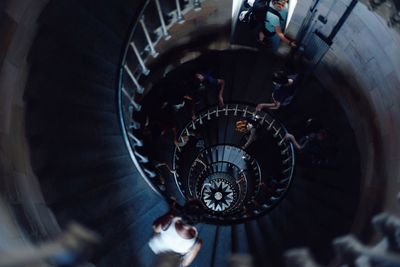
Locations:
{"points": [[261, 36], [252, 138], [162, 221], [221, 84], [282, 36], [274, 105], [290, 137], [189, 257], [164, 164]]}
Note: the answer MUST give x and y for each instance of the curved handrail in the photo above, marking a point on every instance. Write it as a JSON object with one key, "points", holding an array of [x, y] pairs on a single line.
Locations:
{"points": [[278, 131], [119, 98], [126, 121]]}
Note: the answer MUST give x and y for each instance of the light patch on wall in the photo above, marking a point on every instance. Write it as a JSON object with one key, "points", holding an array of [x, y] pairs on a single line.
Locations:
{"points": [[292, 6], [236, 4]]}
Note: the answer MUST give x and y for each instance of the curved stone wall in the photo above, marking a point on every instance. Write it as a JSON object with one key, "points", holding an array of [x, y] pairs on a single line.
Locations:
{"points": [[362, 69], [20, 191]]}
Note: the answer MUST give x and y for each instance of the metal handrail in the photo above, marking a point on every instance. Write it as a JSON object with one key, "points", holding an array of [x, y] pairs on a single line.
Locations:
{"points": [[278, 131], [126, 121], [119, 99]]}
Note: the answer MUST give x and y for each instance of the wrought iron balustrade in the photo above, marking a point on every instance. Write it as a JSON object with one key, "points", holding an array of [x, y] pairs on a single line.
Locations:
{"points": [[151, 25]]}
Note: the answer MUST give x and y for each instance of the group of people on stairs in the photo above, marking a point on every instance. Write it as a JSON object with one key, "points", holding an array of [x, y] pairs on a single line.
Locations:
{"points": [[175, 231], [183, 94], [267, 20]]}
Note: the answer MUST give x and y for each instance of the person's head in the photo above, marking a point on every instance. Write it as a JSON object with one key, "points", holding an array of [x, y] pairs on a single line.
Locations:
{"points": [[199, 77], [243, 126], [279, 4], [280, 77], [192, 212], [178, 106]]}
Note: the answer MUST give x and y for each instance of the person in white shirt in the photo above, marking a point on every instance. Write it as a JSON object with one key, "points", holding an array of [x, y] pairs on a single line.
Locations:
{"points": [[175, 232]]}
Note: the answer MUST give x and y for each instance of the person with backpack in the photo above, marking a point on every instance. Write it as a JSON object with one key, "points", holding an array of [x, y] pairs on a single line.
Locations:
{"points": [[284, 89], [271, 31], [201, 84]]}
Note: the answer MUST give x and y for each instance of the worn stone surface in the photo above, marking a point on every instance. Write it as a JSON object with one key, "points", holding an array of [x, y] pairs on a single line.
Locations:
{"points": [[17, 30], [366, 51], [17, 8], [7, 29], [20, 45], [8, 79]]}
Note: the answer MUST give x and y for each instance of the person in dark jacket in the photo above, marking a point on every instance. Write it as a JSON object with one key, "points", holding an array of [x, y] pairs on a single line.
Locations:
{"points": [[202, 83], [284, 89]]}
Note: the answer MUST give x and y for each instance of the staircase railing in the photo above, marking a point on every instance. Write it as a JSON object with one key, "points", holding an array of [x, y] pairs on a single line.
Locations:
{"points": [[151, 25], [255, 203]]}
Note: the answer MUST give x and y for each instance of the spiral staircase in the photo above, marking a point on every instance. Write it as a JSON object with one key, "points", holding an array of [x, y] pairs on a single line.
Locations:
{"points": [[96, 167]]}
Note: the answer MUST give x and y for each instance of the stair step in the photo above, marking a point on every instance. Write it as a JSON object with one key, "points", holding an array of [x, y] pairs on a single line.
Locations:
{"points": [[273, 240], [207, 234], [223, 248], [240, 244], [296, 220], [117, 16], [130, 240], [256, 244], [243, 72], [320, 218], [114, 223], [333, 200], [46, 149], [59, 72], [101, 216], [101, 199], [85, 20], [58, 121], [58, 182], [227, 67]]}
